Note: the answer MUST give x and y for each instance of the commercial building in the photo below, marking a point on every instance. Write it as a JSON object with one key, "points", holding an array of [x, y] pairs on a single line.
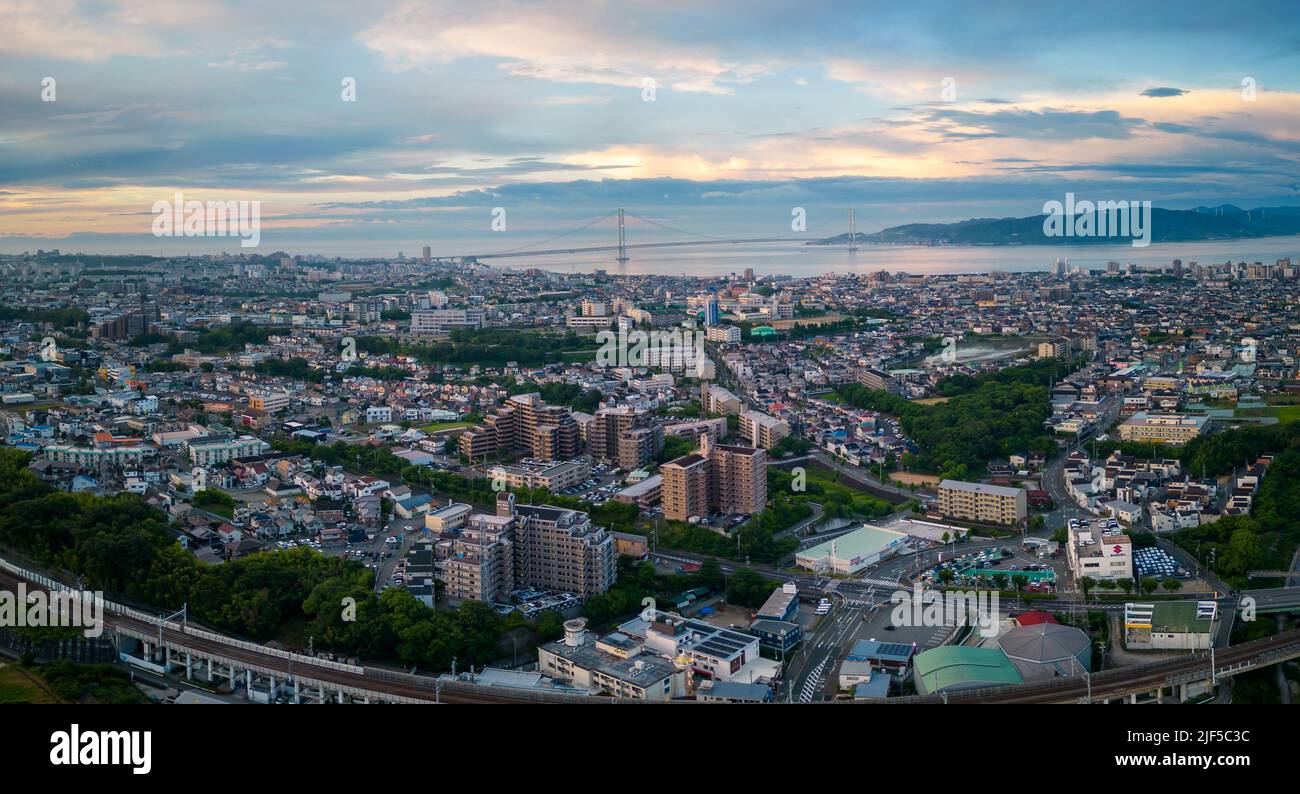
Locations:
{"points": [[615, 664], [725, 478], [452, 517], [1163, 427], [776, 635], [952, 668], [646, 493], [1099, 554], [1169, 625], [894, 657], [988, 504], [761, 430], [783, 604], [710, 651], [269, 401], [440, 321], [850, 553], [1047, 650]]}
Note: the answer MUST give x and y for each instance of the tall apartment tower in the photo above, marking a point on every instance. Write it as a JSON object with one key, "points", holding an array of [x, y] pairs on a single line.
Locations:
{"points": [[725, 477], [625, 436], [559, 549], [548, 432]]}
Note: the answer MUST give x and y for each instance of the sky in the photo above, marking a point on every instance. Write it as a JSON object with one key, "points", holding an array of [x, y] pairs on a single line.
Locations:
{"points": [[369, 128]]}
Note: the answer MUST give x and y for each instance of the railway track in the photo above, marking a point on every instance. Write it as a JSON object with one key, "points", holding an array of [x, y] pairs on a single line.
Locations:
{"points": [[1109, 684]]}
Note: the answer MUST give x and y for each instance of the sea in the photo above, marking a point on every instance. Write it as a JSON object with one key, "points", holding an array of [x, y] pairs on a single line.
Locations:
{"points": [[801, 261]]}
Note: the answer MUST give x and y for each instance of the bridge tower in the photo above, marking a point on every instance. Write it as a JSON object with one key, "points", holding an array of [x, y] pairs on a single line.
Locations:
{"points": [[622, 237], [853, 233]]}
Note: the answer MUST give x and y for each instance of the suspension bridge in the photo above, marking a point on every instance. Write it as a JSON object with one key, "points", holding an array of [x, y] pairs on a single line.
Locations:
{"points": [[623, 246]]}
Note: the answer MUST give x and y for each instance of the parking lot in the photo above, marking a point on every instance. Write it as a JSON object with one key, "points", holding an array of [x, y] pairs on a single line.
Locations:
{"points": [[1154, 561]]}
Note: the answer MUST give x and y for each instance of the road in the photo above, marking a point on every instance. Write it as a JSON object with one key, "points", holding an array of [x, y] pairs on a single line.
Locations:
{"points": [[1054, 474], [814, 667]]}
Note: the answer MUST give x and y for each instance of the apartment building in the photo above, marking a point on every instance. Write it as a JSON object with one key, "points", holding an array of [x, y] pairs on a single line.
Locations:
{"points": [[1168, 428], [715, 429], [546, 432], [723, 477], [624, 436], [988, 504], [761, 430], [480, 563], [216, 450], [876, 379], [718, 400], [559, 549], [723, 334], [685, 488], [551, 476]]}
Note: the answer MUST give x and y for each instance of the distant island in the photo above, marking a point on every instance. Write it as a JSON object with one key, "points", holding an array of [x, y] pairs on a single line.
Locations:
{"points": [[1224, 222]]}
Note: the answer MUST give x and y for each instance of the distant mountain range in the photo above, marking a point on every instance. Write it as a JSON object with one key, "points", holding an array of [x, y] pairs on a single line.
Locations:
{"points": [[1224, 222]]}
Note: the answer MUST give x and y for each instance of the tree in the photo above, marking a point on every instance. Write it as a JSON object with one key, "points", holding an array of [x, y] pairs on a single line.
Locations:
{"points": [[1126, 585], [946, 575], [710, 574], [1086, 584], [1241, 553], [1171, 584], [1148, 585], [1019, 580]]}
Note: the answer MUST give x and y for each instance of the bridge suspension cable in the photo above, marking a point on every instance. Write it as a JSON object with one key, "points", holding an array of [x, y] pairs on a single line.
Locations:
{"points": [[556, 237]]}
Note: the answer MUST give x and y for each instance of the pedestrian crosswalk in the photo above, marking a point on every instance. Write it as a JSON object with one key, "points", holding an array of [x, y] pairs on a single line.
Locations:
{"points": [[890, 583], [812, 683], [940, 634]]}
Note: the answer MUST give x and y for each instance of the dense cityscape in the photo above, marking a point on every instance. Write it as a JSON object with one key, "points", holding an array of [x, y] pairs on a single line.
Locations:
{"points": [[521, 483]]}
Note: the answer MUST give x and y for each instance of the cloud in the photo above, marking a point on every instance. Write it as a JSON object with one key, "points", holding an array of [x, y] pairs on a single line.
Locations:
{"points": [[93, 31], [593, 44], [1164, 91]]}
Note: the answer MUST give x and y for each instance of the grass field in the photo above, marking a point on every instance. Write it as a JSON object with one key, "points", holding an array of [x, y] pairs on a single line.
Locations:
{"points": [[437, 426], [19, 686], [932, 400], [1284, 413]]}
